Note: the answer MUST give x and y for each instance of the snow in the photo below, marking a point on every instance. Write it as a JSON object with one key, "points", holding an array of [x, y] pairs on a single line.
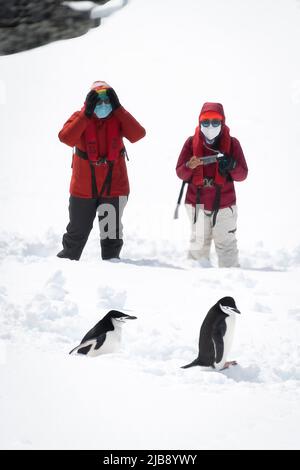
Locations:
{"points": [[172, 57]]}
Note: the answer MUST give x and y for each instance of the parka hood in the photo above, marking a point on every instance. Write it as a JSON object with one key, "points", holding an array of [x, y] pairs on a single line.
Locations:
{"points": [[215, 107]]}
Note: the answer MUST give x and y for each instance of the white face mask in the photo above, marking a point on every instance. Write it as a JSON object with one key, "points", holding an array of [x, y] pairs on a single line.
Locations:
{"points": [[211, 132]]}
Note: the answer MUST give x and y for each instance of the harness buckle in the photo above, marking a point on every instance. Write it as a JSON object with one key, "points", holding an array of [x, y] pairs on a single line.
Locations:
{"points": [[208, 182], [99, 161]]}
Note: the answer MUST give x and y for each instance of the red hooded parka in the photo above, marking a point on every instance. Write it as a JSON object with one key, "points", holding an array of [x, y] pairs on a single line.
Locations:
{"points": [[226, 144], [73, 134]]}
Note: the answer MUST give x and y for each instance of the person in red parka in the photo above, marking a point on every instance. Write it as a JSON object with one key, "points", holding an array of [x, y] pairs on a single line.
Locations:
{"points": [[210, 199], [99, 182]]}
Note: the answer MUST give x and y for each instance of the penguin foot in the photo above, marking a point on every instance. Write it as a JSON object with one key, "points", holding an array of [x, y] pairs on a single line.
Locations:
{"points": [[228, 364]]}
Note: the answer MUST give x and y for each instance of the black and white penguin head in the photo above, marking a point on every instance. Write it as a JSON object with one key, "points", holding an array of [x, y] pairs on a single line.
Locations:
{"points": [[118, 318], [227, 306]]}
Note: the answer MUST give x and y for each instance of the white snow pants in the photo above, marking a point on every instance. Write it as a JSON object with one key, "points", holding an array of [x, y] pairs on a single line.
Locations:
{"points": [[223, 235]]}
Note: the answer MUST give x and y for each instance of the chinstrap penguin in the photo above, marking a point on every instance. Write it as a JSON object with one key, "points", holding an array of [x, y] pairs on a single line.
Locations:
{"points": [[105, 336], [216, 335]]}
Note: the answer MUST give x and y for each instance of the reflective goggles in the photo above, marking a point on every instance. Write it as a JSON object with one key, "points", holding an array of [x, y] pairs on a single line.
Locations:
{"points": [[103, 100], [213, 122]]}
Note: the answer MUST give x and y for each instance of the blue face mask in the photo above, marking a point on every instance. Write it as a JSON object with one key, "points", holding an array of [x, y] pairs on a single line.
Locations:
{"points": [[103, 110]]}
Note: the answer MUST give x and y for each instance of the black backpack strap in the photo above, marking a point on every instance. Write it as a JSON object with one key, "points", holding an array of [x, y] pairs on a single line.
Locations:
{"points": [[81, 153], [216, 204], [124, 153], [197, 207], [108, 180], [217, 200], [93, 182]]}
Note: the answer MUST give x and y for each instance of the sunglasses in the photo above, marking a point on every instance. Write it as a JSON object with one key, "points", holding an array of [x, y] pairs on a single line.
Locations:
{"points": [[103, 100], [213, 122]]}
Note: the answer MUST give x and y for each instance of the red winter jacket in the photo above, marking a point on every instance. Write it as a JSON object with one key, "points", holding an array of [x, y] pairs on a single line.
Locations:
{"points": [[207, 194], [73, 134]]}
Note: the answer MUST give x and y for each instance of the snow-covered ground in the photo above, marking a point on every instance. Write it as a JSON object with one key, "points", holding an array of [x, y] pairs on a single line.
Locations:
{"points": [[164, 59]]}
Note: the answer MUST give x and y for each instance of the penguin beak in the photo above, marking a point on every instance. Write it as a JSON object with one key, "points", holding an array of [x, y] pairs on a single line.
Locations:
{"points": [[128, 317], [236, 310]]}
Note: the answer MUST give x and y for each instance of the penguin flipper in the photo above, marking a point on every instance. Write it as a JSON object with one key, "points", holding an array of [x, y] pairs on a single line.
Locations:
{"points": [[218, 341], [192, 364], [99, 341]]}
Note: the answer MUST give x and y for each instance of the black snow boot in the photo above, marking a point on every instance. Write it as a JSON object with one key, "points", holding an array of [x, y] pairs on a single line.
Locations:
{"points": [[65, 254], [111, 249]]}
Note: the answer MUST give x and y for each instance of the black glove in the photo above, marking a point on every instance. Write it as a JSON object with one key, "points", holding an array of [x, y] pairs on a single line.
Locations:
{"points": [[90, 103], [226, 164], [113, 98]]}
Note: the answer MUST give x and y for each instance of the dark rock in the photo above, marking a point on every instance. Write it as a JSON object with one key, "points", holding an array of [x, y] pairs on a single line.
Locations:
{"points": [[28, 24]]}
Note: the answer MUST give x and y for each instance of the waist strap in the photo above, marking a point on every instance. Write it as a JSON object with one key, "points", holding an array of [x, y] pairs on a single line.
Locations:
{"points": [[84, 156]]}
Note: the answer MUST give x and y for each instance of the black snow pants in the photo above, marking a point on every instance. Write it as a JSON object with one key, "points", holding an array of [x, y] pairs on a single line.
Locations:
{"points": [[82, 213]]}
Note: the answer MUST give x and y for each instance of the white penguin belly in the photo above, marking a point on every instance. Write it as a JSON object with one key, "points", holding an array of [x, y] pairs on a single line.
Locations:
{"points": [[227, 340], [111, 344]]}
